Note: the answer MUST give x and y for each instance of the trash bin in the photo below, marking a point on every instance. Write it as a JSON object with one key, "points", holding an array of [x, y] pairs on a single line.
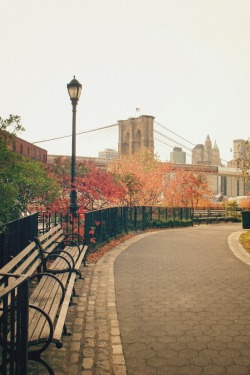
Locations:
{"points": [[245, 219]]}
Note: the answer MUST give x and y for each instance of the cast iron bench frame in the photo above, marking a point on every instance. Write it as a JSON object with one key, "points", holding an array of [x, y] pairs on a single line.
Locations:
{"points": [[211, 216], [49, 300]]}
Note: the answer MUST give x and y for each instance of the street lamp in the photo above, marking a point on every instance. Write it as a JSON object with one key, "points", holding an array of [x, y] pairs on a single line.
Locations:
{"points": [[74, 89]]}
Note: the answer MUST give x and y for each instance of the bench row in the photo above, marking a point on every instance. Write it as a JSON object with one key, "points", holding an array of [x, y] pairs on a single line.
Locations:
{"points": [[52, 261], [212, 216]]}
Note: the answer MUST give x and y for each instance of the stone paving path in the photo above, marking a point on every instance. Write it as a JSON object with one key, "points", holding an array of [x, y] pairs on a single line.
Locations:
{"points": [[171, 302], [183, 304], [95, 347]]}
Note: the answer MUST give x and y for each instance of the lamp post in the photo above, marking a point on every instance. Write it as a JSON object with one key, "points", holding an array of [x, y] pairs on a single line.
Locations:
{"points": [[74, 89]]}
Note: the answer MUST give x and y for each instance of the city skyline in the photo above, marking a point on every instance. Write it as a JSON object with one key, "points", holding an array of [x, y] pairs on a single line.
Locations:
{"points": [[109, 152], [184, 62]]}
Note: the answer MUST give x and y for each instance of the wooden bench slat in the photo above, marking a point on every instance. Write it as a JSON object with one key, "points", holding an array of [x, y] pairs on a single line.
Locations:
{"points": [[11, 265], [48, 296], [63, 312], [51, 232]]}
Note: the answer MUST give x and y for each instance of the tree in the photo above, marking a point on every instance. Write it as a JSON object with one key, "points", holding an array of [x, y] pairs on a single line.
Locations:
{"points": [[96, 188], [143, 177], [22, 180], [245, 203], [188, 189]]}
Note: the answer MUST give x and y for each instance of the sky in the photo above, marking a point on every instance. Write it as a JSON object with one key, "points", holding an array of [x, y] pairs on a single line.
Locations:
{"points": [[185, 62]]}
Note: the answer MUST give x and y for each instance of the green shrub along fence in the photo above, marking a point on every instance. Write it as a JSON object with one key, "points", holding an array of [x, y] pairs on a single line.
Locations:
{"points": [[101, 225]]}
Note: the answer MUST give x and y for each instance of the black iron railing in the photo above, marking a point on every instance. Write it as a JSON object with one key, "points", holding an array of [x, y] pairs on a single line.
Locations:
{"points": [[102, 225], [15, 236], [95, 226], [14, 324]]}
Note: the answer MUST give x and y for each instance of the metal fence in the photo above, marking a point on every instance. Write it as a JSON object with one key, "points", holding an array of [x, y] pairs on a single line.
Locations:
{"points": [[103, 224], [14, 324], [95, 226], [47, 220], [145, 217], [15, 236], [100, 225]]}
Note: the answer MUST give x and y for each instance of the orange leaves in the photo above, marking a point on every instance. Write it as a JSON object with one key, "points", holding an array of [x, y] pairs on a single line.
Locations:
{"points": [[95, 187], [143, 177], [93, 257], [245, 203], [188, 189]]}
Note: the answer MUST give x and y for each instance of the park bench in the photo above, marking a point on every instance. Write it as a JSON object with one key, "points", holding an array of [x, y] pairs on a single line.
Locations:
{"points": [[222, 215], [70, 246], [52, 277], [211, 216]]}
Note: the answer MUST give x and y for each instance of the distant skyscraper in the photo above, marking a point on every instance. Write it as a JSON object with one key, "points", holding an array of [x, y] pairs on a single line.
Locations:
{"points": [[108, 153], [206, 154], [178, 156], [198, 154], [216, 155], [240, 148]]}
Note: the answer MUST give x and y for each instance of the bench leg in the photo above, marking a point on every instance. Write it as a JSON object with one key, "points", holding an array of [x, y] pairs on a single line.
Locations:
{"points": [[66, 332], [36, 358], [78, 272]]}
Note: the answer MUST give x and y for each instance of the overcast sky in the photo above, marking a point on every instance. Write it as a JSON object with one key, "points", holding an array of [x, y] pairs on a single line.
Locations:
{"points": [[185, 62]]}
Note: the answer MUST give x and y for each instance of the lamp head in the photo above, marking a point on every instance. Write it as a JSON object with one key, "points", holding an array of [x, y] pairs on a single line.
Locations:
{"points": [[74, 89]]}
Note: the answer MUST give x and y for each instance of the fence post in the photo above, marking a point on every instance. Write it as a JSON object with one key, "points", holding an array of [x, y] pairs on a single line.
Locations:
{"points": [[143, 217], [135, 218], [14, 299], [125, 218]]}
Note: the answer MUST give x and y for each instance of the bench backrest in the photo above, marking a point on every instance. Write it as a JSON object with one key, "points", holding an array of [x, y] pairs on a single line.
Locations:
{"points": [[26, 262], [49, 241]]}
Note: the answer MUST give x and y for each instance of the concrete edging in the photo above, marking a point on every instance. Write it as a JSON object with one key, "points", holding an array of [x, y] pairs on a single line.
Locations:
{"points": [[236, 247]]}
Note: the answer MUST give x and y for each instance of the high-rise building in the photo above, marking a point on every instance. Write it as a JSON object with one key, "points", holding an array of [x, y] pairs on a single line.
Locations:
{"points": [[216, 155], [178, 156], [108, 153], [198, 154], [206, 154], [241, 148]]}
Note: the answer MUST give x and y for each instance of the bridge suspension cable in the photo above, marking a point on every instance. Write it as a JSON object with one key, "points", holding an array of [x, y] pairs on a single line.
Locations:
{"points": [[84, 132]]}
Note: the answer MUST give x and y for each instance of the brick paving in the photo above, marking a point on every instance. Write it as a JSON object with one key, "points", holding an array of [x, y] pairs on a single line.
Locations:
{"points": [[171, 302], [183, 304]]}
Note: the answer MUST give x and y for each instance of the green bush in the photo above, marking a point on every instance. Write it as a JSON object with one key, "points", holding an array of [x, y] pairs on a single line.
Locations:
{"points": [[170, 223]]}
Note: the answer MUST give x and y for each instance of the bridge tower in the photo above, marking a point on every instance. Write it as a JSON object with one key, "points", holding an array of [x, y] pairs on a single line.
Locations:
{"points": [[136, 133]]}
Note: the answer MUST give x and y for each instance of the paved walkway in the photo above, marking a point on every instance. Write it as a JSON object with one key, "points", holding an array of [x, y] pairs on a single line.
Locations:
{"points": [[172, 302]]}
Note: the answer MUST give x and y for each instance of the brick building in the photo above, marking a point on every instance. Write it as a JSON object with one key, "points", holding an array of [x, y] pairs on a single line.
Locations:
{"points": [[27, 149]]}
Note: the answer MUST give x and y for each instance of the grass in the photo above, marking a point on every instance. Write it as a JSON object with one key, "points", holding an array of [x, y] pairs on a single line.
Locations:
{"points": [[245, 240]]}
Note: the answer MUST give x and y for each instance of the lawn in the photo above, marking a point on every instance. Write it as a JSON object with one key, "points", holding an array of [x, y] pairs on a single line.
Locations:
{"points": [[245, 241]]}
